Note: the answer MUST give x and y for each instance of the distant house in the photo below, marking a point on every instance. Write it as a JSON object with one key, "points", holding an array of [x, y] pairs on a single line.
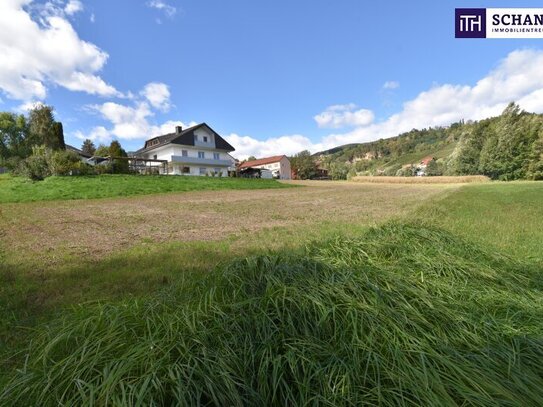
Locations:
{"points": [[80, 153], [425, 161], [279, 166], [421, 168], [197, 150]]}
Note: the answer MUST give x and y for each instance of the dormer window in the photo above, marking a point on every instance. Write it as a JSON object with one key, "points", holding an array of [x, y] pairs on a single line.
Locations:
{"points": [[205, 139]]}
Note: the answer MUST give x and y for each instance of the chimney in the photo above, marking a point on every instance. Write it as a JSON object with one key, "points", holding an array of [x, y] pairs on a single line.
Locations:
{"points": [[178, 129]]}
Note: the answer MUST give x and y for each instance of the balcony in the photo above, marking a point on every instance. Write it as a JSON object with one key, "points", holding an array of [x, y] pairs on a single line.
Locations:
{"points": [[208, 162]]}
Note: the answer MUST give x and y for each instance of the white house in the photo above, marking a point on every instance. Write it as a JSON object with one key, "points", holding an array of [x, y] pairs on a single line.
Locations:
{"points": [[279, 165], [198, 150]]}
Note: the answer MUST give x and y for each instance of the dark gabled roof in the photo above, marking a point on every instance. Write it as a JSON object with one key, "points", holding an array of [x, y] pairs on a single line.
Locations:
{"points": [[77, 150], [186, 138]]}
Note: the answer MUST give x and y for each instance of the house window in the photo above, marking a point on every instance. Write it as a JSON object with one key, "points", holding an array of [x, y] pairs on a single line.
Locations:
{"points": [[184, 153], [201, 154], [155, 157], [203, 170], [205, 139], [216, 156], [186, 170], [196, 137]]}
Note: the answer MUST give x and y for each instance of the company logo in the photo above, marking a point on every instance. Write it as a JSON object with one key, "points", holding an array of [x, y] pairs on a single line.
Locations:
{"points": [[470, 23], [498, 23]]}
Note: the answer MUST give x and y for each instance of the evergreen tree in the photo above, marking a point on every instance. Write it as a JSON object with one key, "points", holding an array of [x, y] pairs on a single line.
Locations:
{"points": [[88, 147], [43, 129]]}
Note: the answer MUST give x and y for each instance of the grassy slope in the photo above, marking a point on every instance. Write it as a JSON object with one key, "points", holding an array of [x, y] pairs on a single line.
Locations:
{"points": [[501, 218], [508, 217], [416, 157], [15, 189]]}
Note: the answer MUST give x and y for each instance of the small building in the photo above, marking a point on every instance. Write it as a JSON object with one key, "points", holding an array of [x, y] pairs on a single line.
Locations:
{"points": [[279, 166], [421, 168], [322, 171], [83, 156], [252, 172], [197, 150]]}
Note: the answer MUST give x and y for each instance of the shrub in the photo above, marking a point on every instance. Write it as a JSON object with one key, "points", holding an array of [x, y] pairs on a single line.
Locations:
{"points": [[36, 167], [64, 162]]}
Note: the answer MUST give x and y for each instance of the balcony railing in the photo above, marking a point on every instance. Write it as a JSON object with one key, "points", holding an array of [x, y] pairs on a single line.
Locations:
{"points": [[202, 161]]}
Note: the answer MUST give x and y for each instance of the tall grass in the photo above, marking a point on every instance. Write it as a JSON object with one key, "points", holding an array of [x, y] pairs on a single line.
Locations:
{"points": [[465, 179], [403, 315]]}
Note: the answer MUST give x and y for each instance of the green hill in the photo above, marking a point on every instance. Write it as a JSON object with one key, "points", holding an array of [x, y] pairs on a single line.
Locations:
{"points": [[509, 146]]}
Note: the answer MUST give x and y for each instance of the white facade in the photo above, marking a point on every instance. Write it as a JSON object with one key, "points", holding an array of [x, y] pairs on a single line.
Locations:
{"points": [[202, 158], [280, 169]]}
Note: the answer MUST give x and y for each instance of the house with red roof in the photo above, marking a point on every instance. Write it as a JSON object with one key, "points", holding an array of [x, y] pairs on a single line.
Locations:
{"points": [[279, 166]]}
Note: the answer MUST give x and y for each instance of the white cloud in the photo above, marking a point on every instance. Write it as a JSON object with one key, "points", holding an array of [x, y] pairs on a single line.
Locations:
{"points": [[92, 84], [92, 18], [338, 116], [98, 134], [133, 122], [36, 53], [161, 5], [73, 6], [158, 95], [390, 85], [25, 107], [289, 145], [518, 77], [129, 123]]}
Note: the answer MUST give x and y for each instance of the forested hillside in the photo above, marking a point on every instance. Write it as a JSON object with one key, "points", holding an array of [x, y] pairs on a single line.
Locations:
{"points": [[506, 147]]}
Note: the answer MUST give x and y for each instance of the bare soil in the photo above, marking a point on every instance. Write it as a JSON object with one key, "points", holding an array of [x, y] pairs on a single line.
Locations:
{"points": [[48, 232]]}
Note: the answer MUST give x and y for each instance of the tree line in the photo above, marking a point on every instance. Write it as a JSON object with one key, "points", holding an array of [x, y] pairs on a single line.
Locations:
{"points": [[506, 147], [33, 146]]}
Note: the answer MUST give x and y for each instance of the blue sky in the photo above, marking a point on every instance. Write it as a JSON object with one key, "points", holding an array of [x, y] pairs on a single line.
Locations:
{"points": [[272, 76]]}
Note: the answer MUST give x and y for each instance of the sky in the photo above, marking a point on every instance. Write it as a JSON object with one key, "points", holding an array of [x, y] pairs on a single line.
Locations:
{"points": [[272, 77]]}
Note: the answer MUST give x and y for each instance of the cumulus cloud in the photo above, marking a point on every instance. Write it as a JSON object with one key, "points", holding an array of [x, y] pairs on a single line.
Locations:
{"points": [[72, 7], [390, 85], [44, 50], [338, 116], [98, 134], [129, 122], [161, 5], [289, 145], [158, 95], [518, 77]]}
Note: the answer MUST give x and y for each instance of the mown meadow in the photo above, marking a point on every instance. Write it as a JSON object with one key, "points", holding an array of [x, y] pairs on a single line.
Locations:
{"points": [[439, 305], [19, 189]]}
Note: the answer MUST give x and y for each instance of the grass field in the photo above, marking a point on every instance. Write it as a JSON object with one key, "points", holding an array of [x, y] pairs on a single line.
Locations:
{"points": [[333, 293], [17, 189], [465, 179]]}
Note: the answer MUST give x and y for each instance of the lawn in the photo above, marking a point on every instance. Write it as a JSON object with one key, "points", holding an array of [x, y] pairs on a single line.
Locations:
{"points": [[17, 189], [344, 294]]}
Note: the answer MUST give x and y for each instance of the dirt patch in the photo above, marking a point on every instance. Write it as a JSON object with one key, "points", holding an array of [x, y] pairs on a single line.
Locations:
{"points": [[49, 232]]}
